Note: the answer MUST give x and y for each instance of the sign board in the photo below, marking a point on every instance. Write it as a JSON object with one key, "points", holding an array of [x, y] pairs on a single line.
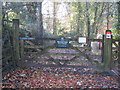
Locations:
{"points": [[82, 40], [62, 42], [108, 35]]}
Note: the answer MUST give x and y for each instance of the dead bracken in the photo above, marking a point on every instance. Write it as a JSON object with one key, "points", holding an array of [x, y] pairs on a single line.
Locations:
{"points": [[46, 78]]}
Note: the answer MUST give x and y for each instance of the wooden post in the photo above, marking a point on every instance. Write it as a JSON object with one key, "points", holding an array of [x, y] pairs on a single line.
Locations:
{"points": [[119, 49], [16, 39], [102, 49], [22, 48], [0, 42], [119, 32], [0, 34], [107, 57]]}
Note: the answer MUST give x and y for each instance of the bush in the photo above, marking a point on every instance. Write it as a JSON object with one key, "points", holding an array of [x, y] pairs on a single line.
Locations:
{"points": [[115, 34]]}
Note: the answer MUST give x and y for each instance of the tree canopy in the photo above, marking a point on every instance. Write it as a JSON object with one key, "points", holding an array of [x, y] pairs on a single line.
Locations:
{"points": [[51, 19]]}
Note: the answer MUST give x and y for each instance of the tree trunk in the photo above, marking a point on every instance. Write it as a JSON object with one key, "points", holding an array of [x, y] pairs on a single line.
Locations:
{"points": [[78, 20], [107, 15], [88, 21], [0, 39], [95, 20], [54, 18], [39, 32], [0, 20], [101, 13]]}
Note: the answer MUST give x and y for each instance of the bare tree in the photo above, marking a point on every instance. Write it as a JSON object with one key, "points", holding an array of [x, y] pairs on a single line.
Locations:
{"points": [[39, 31], [87, 20], [78, 16], [54, 17], [95, 19], [108, 15]]}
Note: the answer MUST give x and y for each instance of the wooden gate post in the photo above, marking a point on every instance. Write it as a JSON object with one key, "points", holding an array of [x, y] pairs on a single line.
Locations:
{"points": [[119, 32], [16, 40], [1, 42], [22, 48], [119, 56], [107, 57], [102, 52]]}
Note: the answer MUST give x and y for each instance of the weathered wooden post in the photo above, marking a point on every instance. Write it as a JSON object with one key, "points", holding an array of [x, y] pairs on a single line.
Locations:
{"points": [[119, 32], [0, 42], [22, 48], [102, 52], [107, 57], [16, 40], [118, 28]]}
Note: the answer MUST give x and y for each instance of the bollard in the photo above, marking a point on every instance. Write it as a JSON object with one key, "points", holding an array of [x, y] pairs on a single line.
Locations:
{"points": [[107, 52]]}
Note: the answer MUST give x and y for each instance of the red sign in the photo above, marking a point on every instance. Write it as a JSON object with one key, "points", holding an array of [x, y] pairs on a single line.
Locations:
{"points": [[108, 32]]}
